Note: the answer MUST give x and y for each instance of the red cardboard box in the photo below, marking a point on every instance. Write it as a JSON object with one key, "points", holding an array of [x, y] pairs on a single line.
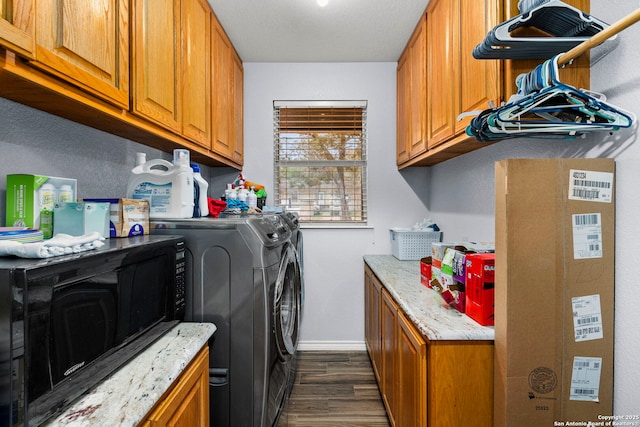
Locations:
{"points": [[425, 271], [480, 271]]}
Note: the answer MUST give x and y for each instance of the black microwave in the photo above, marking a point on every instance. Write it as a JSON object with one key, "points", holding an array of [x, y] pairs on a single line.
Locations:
{"points": [[68, 322]]}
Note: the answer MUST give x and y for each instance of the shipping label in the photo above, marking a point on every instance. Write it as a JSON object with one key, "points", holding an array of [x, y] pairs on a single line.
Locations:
{"points": [[587, 318], [587, 235], [585, 379], [591, 186]]}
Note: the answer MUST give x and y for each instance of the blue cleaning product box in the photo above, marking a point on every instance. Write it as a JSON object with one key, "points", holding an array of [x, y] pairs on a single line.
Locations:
{"points": [[80, 218]]}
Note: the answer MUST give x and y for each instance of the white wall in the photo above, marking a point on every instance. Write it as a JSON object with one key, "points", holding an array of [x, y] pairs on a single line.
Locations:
{"points": [[334, 314]]}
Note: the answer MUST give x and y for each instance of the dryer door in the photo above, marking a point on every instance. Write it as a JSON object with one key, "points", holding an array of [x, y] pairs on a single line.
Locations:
{"points": [[286, 308]]}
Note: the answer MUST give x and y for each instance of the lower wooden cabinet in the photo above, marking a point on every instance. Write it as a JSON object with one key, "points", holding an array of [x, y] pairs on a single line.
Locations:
{"points": [[435, 383], [186, 403]]}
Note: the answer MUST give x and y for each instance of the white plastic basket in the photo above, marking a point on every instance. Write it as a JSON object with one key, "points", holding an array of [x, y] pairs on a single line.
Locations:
{"points": [[412, 245]]}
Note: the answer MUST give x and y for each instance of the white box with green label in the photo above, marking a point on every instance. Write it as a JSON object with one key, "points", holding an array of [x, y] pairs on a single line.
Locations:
{"points": [[28, 194]]}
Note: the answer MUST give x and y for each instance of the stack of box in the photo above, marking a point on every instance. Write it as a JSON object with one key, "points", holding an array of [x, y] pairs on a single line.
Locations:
{"points": [[448, 269], [554, 291]]}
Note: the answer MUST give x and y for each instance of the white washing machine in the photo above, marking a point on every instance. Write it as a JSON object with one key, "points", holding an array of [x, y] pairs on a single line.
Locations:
{"points": [[243, 275]]}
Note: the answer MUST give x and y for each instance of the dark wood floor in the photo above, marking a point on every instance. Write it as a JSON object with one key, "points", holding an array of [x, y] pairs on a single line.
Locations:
{"points": [[334, 389]]}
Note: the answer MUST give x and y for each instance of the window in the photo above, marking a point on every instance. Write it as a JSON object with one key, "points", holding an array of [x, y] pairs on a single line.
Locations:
{"points": [[321, 160]]}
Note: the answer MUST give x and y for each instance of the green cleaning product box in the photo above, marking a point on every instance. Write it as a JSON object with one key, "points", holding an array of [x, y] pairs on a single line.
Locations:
{"points": [[28, 195], [80, 218]]}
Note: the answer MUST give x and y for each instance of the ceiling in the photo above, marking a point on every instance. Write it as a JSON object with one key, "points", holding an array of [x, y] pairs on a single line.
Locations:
{"points": [[303, 31]]}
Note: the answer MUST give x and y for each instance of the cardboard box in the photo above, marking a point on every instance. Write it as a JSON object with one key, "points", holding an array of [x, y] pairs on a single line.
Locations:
{"points": [[80, 218], [479, 287], [554, 291], [127, 217], [425, 271], [438, 250], [27, 195]]}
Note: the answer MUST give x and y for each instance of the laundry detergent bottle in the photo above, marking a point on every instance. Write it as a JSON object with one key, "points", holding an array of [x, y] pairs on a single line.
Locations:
{"points": [[168, 187], [201, 207]]}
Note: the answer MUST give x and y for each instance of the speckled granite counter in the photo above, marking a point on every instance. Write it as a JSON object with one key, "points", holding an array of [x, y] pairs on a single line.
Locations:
{"points": [[125, 398], [423, 306]]}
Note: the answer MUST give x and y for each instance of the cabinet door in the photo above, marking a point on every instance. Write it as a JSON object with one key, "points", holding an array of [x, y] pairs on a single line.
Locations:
{"points": [[222, 91], [412, 375], [237, 98], [389, 352], [156, 62], [372, 320], [441, 71], [418, 91], [86, 43], [403, 108], [187, 404], [196, 71], [479, 79], [17, 28]]}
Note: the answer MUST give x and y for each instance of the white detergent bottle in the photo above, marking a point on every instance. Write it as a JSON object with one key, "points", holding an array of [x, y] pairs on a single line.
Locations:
{"points": [[168, 187], [203, 188]]}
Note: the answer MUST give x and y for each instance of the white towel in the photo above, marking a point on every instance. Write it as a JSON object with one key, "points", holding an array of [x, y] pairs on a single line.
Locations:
{"points": [[60, 244]]}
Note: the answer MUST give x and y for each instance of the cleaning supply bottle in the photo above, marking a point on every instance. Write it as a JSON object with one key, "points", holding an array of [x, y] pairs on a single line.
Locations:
{"points": [[230, 193], [252, 199], [200, 200], [168, 187], [242, 193]]}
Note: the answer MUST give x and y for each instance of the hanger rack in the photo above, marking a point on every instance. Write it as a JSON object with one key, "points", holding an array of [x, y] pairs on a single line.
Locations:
{"points": [[599, 38], [546, 108]]}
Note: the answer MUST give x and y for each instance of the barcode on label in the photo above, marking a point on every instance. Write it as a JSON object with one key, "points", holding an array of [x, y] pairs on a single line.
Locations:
{"points": [[586, 219], [583, 391], [586, 194], [591, 183], [588, 320]]}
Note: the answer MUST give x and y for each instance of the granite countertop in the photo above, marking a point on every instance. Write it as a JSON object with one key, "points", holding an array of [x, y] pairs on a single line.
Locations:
{"points": [[126, 397], [423, 306]]}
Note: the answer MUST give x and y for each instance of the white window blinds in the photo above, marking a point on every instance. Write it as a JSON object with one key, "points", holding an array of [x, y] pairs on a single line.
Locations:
{"points": [[320, 160]]}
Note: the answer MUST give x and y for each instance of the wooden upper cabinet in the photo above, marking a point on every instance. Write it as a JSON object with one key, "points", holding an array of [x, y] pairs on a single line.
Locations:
{"points": [[456, 82], [157, 61], [479, 80], [228, 94], [221, 58], [442, 70], [418, 49], [86, 43], [17, 27], [237, 97], [196, 71], [412, 96], [403, 112]]}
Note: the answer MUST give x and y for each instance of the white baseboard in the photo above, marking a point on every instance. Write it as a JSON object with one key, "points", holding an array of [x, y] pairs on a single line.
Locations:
{"points": [[332, 346]]}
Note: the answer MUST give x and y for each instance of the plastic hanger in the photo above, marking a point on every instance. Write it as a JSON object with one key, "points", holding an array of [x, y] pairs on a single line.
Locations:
{"points": [[545, 107], [566, 25]]}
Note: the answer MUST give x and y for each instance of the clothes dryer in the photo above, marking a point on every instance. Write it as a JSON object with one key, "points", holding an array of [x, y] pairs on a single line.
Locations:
{"points": [[243, 275]]}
